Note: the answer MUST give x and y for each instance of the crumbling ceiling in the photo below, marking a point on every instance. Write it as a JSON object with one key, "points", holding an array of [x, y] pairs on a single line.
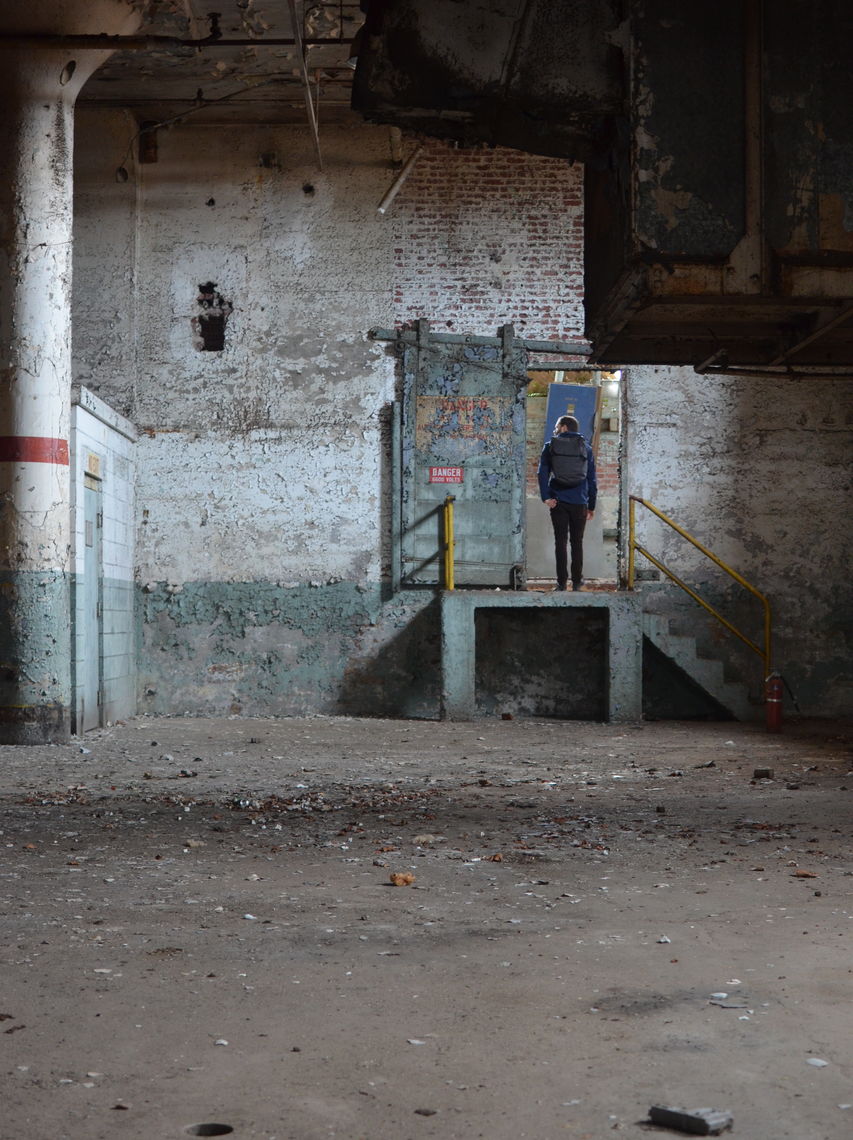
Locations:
{"points": [[716, 136], [718, 144], [253, 72]]}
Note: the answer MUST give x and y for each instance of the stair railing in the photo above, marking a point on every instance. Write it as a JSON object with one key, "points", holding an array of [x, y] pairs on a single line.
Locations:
{"points": [[634, 547], [449, 543]]}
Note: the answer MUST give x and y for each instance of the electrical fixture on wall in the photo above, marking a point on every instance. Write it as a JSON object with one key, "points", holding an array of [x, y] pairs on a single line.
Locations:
{"points": [[394, 189], [145, 138]]}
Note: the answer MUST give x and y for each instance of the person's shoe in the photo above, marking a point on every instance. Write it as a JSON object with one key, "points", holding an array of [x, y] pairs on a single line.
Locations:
{"points": [[576, 586], [560, 586]]}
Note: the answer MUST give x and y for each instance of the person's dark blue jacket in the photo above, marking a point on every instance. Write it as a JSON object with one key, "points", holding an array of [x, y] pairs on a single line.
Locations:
{"points": [[584, 494]]}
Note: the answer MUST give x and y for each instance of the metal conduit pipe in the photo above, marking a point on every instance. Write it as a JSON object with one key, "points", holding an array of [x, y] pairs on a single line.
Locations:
{"points": [[828, 325], [821, 372], [394, 189], [103, 42]]}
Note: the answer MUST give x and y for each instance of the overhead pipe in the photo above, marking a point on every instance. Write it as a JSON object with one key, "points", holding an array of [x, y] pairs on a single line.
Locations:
{"points": [[821, 372], [104, 42], [827, 326], [394, 188]]}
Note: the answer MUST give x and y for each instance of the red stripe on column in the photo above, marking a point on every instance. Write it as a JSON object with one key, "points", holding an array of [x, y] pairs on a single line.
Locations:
{"points": [[33, 449]]}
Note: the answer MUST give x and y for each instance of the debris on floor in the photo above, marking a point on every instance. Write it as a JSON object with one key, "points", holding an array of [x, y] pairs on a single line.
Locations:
{"points": [[201, 942], [697, 1121]]}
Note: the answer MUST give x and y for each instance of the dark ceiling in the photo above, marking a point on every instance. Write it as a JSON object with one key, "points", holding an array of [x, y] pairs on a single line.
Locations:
{"points": [[717, 139], [247, 75]]}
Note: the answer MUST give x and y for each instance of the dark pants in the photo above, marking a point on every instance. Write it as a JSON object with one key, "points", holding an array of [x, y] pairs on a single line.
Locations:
{"points": [[568, 521]]}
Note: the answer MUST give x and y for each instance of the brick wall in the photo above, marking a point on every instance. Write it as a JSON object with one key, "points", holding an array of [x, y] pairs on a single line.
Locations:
{"points": [[607, 466], [489, 236]]}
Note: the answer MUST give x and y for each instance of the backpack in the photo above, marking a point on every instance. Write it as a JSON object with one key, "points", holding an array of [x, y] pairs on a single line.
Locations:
{"points": [[569, 455]]}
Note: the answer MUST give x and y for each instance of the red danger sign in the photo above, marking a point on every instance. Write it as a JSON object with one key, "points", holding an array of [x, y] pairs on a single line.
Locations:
{"points": [[445, 474]]}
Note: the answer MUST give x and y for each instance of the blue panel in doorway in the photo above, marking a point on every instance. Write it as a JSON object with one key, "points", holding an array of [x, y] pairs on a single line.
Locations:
{"points": [[578, 400]]}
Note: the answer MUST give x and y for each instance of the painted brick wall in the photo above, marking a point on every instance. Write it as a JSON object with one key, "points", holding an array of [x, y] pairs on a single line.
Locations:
{"points": [[489, 236]]}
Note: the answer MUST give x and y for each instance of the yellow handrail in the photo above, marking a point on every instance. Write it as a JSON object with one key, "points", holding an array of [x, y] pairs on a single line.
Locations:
{"points": [[449, 542], [633, 546]]}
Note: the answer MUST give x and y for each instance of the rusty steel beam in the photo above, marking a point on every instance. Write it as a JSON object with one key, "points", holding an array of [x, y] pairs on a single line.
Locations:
{"points": [[823, 327]]}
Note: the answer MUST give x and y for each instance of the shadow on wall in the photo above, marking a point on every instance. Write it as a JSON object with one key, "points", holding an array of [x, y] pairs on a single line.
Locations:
{"points": [[669, 694], [388, 481], [402, 678], [542, 664]]}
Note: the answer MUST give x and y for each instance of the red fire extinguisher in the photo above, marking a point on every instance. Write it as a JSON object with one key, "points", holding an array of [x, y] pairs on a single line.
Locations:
{"points": [[773, 700]]}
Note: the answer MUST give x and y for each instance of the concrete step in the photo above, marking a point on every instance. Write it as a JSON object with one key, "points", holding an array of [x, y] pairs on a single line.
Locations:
{"points": [[704, 671]]}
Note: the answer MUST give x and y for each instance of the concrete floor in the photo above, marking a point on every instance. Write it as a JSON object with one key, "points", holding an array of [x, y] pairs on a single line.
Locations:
{"points": [[199, 929]]}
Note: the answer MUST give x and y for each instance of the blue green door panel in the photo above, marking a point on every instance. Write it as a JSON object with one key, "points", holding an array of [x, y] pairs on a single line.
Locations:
{"points": [[464, 410]]}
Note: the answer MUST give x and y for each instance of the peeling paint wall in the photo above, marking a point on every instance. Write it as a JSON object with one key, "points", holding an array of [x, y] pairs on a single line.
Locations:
{"points": [[264, 479], [264, 490], [759, 472], [104, 310], [263, 484]]}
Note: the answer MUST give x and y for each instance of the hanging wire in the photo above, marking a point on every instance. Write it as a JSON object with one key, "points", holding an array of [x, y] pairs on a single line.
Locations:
{"points": [[201, 105]]}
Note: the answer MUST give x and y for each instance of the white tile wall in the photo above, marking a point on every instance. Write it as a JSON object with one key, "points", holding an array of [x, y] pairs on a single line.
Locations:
{"points": [[96, 428]]}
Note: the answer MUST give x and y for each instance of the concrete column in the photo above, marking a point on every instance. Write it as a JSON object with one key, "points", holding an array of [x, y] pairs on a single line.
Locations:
{"points": [[625, 659], [38, 87], [458, 664]]}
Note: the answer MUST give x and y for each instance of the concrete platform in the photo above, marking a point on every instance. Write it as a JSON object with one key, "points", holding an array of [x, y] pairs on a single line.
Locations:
{"points": [[458, 644]]}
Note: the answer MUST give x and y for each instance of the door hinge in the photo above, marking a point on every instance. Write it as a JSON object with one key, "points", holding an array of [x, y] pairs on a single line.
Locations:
{"points": [[99, 610], [100, 697], [99, 519]]}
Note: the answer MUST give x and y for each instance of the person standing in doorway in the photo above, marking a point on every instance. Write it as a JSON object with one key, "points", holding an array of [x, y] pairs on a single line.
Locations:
{"points": [[568, 487]]}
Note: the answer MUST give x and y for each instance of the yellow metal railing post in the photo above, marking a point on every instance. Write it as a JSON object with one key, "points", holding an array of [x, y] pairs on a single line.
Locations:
{"points": [[765, 651], [632, 539], [449, 543]]}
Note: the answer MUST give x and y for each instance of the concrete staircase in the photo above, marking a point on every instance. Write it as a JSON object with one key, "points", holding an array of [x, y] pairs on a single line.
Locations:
{"points": [[704, 671]]}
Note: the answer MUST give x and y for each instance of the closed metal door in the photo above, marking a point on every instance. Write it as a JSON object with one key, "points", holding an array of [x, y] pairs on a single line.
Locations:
{"points": [[463, 433], [92, 619]]}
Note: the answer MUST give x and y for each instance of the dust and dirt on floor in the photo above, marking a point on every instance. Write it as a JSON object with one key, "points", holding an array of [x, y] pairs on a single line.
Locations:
{"points": [[202, 934]]}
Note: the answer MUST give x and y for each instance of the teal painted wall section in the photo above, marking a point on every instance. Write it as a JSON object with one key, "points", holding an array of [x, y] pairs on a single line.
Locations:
{"points": [[35, 690], [256, 648]]}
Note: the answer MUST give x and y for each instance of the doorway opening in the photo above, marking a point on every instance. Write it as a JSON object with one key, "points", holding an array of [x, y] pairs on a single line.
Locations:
{"points": [[594, 396]]}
